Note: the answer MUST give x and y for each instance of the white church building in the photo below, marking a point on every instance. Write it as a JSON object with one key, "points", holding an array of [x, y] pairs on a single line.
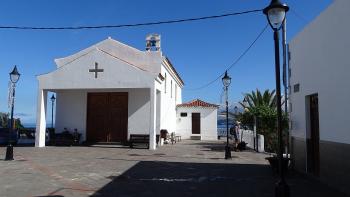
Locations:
{"points": [[111, 90]]}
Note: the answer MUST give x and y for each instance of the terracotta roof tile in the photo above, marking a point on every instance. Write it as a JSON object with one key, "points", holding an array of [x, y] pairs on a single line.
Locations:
{"points": [[197, 103]]}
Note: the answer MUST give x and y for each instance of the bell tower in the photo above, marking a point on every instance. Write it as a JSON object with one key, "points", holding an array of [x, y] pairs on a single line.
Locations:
{"points": [[153, 42]]}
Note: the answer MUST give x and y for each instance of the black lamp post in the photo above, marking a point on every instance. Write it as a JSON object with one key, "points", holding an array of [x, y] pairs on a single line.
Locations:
{"points": [[14, 77], [276, 14], [245, 102], [226, 80], [52, 104]]}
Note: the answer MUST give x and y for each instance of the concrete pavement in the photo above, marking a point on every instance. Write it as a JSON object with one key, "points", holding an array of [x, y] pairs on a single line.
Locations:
{"points": [[187, 168]]}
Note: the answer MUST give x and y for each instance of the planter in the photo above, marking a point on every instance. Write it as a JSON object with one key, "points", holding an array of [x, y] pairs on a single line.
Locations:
{"points": [[274, 163]]}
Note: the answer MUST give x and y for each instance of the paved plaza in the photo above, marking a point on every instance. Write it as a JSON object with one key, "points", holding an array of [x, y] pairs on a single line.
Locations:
{"points": [[187, 168]]}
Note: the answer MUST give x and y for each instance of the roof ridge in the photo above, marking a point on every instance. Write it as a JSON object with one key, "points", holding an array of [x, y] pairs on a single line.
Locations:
{"points": [[197, 103]]}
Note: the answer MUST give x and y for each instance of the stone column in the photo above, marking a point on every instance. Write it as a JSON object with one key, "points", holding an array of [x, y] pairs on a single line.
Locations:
{"points": [[41, 119], [153, 119]]}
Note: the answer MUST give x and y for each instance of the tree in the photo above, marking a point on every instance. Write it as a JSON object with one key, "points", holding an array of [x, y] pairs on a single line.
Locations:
{"points": [[262, 107], [256, 99], [5, 120]]}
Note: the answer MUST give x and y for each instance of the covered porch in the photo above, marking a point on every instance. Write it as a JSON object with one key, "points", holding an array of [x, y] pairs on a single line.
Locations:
{"points": [[101, 115]]}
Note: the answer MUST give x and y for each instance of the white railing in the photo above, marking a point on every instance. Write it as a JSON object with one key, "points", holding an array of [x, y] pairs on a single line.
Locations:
{"points": [[222, 132], [248, 137]]}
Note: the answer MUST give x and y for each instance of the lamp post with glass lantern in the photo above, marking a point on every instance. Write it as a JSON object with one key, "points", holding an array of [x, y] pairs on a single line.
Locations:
{"points": [[52, 105], [236, 110], [14, 77], [276, 14], [226, 80], [245, 103]]}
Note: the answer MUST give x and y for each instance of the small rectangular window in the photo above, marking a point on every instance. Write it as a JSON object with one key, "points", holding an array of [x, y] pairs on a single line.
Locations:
{"points": [[175, 92], [289, 90], [171, 89], [296, 87], [183, 114], [289, 54], [290, 108], [289, 72], [165, 83]]}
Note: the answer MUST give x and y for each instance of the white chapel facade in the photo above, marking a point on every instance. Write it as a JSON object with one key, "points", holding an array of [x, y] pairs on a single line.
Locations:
{"points": [[109, 91]]}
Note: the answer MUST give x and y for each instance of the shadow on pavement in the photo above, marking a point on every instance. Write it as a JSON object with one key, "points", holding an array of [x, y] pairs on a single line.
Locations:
{"points": [[151, 178], [216, 147], [155, 178]]}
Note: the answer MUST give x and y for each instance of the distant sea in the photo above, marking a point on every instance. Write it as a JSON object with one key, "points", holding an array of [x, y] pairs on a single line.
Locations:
{"points": [[29, 125]]}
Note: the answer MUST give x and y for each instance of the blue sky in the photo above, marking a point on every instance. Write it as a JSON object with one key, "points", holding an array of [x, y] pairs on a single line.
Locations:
{"points": [[200, 50]]}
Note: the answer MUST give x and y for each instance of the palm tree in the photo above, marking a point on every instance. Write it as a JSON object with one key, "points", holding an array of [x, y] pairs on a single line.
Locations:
{"points": [[5, 120], [262, 107], [256, 99]]}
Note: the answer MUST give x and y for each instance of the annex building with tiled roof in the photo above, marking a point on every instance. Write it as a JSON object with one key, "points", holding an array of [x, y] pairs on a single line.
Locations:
{"points": [[197, 119]]}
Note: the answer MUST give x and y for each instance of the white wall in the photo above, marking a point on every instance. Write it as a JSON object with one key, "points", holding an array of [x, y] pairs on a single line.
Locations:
{"points": [[249, 138], [320, 64], [71, 111], [72, 106], [208, 122], [76, 75], [168, 101]]}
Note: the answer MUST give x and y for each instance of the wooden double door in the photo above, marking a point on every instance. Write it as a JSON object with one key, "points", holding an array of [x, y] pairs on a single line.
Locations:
{"points": [[107, 117]]}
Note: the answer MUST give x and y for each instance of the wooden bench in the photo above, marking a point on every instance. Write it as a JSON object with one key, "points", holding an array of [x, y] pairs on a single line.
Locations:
{"points": [[66, 139], [140, 139]]}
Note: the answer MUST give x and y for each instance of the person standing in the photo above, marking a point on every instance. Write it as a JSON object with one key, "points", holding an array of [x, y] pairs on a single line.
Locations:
{"points": [[237, 126], [234, 133]]}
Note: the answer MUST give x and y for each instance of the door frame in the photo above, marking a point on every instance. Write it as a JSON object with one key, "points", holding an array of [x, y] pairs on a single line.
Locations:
{"points": [[312, 135]]}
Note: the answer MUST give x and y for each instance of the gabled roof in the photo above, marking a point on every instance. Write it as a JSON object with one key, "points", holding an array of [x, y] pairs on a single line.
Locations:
{"points": [[197, 103], [145, 60]]}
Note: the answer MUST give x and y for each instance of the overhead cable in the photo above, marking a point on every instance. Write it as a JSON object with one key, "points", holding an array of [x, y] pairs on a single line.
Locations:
{"points": [[131, 25], [233, 64]]}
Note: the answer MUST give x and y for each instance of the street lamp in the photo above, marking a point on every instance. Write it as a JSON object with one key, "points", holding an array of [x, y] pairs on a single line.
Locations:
{"points": [[226, 80], [276, 14], [14, 77], [52, 104], [245, 102]]}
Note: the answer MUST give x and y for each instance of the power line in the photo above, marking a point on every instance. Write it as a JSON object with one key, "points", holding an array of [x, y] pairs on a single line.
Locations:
{"points": [[233, 64], [131, 25], [299, 16]]}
